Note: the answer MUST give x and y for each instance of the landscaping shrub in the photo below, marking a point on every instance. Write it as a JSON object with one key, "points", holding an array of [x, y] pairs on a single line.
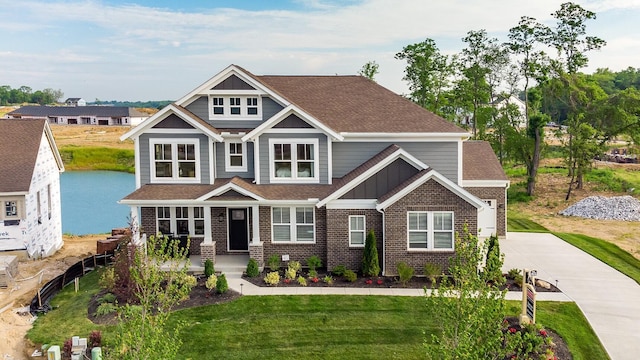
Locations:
{"points": [[222, 286], [295, 265], [405, 272], [513, 273], [350, 276], [290, 274], [302, 281], [95, 339], [274, 262], [370, 262], [493, 265], [339, 270], [432, 271], [328, 280], [314, 262], [107, 298], [252, 268], [212, 281], [208, 268], [107, 280], [66, 349], [105, 309], [272, 278], [313, 273]]}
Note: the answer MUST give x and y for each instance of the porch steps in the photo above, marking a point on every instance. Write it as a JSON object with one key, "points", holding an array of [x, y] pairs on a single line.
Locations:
{"points": [[231, 264]]}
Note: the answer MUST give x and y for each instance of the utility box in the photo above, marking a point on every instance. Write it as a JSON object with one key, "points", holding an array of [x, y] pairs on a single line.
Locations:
{"points": [[96, 353], [53, 353]]}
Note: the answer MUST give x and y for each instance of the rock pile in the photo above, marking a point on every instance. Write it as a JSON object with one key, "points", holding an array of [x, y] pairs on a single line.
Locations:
{"points": [[626, 208]]}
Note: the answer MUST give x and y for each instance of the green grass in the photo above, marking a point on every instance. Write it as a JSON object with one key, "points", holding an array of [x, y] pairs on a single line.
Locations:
{"points": [[293, 327], [521, 224], [97, 158], [606, 252]]}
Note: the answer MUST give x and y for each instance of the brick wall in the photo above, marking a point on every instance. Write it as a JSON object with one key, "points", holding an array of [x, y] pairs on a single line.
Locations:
{"points": [[431, 196], [299, 252], [501, 208], [338, 250], [219, 230], [194, 245], [148, 221]]}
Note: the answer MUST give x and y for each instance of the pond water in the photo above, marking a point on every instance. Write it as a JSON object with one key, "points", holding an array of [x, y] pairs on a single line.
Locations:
{"points": [[89, 201]]}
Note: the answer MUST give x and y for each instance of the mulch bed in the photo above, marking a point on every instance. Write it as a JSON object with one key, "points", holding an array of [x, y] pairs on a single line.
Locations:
{"points": [[390, 282]]}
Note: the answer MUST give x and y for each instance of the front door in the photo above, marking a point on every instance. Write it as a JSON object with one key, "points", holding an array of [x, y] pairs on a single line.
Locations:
{"points": [[238, 230]]}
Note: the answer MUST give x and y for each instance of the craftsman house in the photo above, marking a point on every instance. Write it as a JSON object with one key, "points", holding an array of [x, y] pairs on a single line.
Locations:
{"points": [[307, 165], [30, 217]]}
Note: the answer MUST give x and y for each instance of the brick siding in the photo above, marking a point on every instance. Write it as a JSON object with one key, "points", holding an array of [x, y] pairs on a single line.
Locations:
{"points": [[338, 250], [430, 196]]}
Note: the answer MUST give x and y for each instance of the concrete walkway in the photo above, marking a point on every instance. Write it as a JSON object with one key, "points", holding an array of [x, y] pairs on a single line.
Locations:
{"points": [[609, 299]]}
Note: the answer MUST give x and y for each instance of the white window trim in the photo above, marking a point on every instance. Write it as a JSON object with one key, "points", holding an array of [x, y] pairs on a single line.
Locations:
{"points": [[226, 114], [227, 156], [364, 231], [19, 205], [430, 232], [173, 220], [293, 225], [174, 160], [294, 179]]}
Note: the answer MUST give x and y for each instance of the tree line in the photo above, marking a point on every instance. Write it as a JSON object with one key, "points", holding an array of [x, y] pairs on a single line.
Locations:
{"points": [[541, 65], [25, 94]]}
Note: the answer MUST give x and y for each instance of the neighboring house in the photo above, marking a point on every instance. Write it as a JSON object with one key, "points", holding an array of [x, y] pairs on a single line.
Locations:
{"points": [[30, 170], [75, 102], [307, 165], [81, 115], [501, 102]]}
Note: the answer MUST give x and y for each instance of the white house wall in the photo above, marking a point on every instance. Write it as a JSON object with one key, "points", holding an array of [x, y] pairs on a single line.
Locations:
{"points": [[47, 235]]}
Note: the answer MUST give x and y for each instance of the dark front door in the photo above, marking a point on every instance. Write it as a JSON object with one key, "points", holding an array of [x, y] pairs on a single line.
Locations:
{"points": [[238, 230]]}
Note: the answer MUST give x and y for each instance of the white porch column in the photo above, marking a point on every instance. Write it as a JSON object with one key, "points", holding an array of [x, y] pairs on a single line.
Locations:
{"points": [[134, 224], [255, 222], [207, 225]]}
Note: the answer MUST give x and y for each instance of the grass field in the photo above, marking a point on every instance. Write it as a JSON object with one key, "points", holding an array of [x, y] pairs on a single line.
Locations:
{"points": [[301, 327]]}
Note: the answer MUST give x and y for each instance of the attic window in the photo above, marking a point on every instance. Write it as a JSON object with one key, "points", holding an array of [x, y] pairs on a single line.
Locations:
{"points": [[235, 107], [218, 106]]}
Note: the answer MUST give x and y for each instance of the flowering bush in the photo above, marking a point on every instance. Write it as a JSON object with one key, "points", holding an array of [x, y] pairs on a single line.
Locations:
{"points": [[369, 281], [380, 281], [529, 342]]}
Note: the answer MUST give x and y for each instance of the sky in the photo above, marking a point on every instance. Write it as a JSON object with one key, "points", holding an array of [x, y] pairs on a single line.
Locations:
{"points": [[139, 50]]}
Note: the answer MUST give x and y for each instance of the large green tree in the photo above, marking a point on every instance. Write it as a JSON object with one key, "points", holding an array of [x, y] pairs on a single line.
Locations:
{"points": [[428, 73]]}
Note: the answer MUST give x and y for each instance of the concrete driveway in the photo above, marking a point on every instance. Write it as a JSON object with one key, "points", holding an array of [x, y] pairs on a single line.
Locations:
{"points": [[609, 299]]}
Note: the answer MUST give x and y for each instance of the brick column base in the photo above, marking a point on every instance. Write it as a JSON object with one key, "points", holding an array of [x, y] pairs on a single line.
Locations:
{"points": [[208, 251], [256, 251]]}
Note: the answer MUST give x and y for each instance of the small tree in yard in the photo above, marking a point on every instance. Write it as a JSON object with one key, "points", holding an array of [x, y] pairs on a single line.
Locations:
{"points": [[468, 311], [143, 331], [370, 262], [493, 264]]}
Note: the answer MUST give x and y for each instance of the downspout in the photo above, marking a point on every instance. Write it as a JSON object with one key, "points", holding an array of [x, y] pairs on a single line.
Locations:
{"points": [[384, 239]]}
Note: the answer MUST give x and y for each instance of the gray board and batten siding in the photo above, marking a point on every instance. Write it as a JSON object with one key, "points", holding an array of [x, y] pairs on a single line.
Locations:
{"points": [[145, 155], [322, 153], [440, 156], [383, 181], [200, 107]]}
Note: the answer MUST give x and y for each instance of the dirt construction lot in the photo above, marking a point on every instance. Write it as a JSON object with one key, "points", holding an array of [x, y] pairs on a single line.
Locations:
{"points": [[31, 276]]}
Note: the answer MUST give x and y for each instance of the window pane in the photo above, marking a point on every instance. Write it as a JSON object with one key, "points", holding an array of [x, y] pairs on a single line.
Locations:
{"points": [[305, 169], [218, 110], [304, 215], [163, 169], [281, 215], [187, 169], [199, 227], [158, 151], [417, 221], [282, 151], [164, 226], [443, 221], [283, 169], [183, 226], [357, 222], [443, 240], [167, 151], [281, 233], [357, 238], [235, 111], [191, 152], [252, 111], [198, 212], [235, 161], [304, 232], [418, 240]]}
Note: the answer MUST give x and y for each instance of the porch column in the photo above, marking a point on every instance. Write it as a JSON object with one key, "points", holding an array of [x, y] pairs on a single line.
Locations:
{"points": [[134, 224], [256, 250], [208, 246]]}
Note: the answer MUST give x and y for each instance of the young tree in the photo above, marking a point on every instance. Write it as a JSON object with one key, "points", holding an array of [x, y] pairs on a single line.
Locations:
{"points": [[369, 70], [370, 261], [144, 331], [468, 310], [428, 73]]}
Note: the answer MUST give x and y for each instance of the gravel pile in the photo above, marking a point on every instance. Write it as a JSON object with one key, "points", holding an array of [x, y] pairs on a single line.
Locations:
{"points": [[626, 208]]}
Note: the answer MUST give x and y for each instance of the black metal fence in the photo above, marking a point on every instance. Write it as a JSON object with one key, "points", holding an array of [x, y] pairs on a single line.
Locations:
{"points": [[40, 302]]}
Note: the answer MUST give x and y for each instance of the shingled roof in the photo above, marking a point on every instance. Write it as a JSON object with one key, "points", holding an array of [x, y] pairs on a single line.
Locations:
{"points": [[479, 162], [101, 111], [19, 145], [356, 104]]}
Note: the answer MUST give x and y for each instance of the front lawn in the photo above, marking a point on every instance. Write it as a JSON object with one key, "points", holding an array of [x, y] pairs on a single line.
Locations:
{"points": [[294, 327]]}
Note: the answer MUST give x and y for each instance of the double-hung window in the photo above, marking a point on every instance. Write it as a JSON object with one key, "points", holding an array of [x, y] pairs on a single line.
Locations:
{"points": [[356, 230], [430, 230], [236, 158], [294, 160], [164, 220], [181, 220], [175, 160], [198, 220], [293, 224]]}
